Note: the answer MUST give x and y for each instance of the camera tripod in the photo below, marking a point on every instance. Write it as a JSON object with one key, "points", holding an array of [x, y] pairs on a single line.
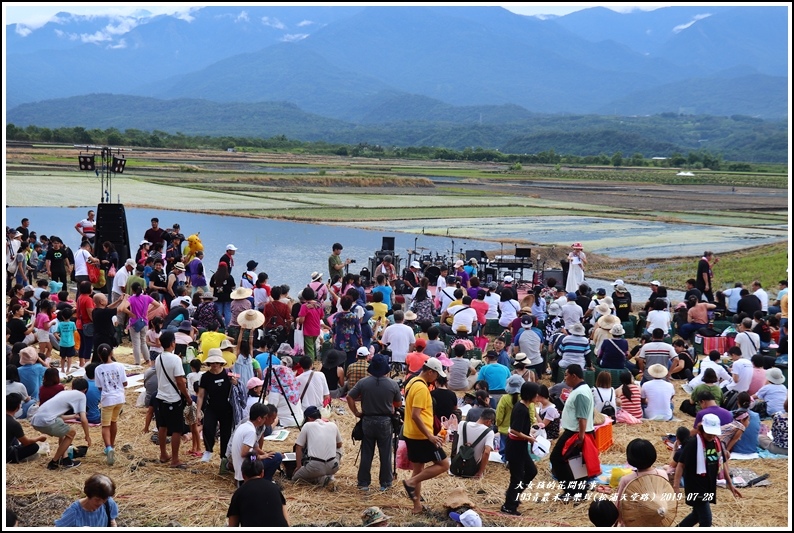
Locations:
{"points": [[268, 379]]}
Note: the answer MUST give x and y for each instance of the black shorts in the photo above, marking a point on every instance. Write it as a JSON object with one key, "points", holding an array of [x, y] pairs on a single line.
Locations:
{"points": [[423, 451], [171, 416]]}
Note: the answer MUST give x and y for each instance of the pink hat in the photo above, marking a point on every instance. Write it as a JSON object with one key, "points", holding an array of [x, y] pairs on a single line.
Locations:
{"points": [[445, 361], [28, 356], [254, 382], [576, 246]]}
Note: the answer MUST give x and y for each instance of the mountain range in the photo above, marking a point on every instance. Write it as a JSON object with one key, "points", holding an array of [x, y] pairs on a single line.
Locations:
{"points": [[360, 66]]}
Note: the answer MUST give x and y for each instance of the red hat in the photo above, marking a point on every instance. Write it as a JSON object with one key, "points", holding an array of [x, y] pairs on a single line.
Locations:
{"points": [[421, 344]]}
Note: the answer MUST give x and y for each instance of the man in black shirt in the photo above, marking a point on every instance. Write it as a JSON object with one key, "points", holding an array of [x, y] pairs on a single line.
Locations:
{"points": [[155, 234], [748, 303], [621, 297], [705, 275], [57, 261], [23, 229], [691, 290], [18, 446], [102, 317], [258, 502]]}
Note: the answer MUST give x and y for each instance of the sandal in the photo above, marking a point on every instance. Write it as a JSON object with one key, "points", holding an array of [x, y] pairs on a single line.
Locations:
{"points": [[181, 466], [425, 509], [410, 491]]}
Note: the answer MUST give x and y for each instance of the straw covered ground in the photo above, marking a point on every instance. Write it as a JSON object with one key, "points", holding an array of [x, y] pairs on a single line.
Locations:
{"points": [[150, 494]]}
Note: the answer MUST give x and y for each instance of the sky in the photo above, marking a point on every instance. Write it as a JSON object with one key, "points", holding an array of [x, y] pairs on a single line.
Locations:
{"points": [[34, 15]]}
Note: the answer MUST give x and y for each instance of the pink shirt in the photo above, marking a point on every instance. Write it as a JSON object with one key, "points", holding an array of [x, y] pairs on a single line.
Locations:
{"points": [[481, 306], [698, 314], [43, 321], [312, 313], [139, 305], [758, 380]]}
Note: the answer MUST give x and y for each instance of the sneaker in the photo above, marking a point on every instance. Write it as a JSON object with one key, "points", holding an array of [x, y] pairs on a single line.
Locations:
{"points": [[384, 488], [206, 457], [52, 465], [363, 488], [223, 470], [512, 512], [68, 463], [111, 453]]}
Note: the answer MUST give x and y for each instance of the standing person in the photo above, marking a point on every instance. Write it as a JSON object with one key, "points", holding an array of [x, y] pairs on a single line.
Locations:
{"points": [[228, 257], [97, 509], [109, 262], [347, 331], [110, 379], [155, 234], [65, 335], [120, 280], [195, 272], [576, 419], [310, 317], [318, 450], [87, 227], [137, 310], [248, 279], [57, 262], [699, 464], [522, 468], [705, 275], [213, 405], [577, 260], [222, 284], [423, 446], [172, 395], [379, 397], [85, 321], [335, 263], [51, 419], [81, 260]]}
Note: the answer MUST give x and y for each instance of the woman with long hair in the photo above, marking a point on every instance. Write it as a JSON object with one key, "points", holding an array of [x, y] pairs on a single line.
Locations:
{"points": [[629, 395], [508, 307], [109, 261], [137, 308], [222, 284], [423, 306]]}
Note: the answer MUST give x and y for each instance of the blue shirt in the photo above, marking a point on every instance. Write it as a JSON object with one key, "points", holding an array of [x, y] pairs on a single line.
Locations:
{"points": [[386, 291], [264, 360], [32, 376], [146, 271], [504, 359], [92, 411], [496, 375], [66, 330], [748, 442], [76, 516]]}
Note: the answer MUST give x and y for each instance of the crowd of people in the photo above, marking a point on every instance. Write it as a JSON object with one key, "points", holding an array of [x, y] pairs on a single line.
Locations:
{"points": [[406, 362]]}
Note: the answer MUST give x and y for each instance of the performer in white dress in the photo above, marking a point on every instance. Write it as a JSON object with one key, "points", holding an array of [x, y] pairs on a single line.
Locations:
{"points": [[576, 263]]}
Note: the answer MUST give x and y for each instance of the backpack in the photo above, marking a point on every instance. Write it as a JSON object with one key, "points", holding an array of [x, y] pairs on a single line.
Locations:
{"points": [[607, 409], [464, 463]]}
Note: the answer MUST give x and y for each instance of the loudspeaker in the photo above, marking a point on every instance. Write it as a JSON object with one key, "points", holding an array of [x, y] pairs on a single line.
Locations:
{"points": [[387, 243], [555, 273], [479, 255], [523, 252], [565, 266], [111, 225]]}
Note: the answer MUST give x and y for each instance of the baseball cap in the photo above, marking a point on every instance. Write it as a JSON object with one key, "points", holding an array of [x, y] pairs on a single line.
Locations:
{"points": [[508, 279], [420, 344], [602, 291], [185, 300], [468, 519], [415, 264], [254, 382], [144, 242], [251, 264], [458, 263], [571, 296], [230, 247], [711, 424], [362, 351], [527, 321], [435, 365], [493, 285], [656, 282], [312, 412]]}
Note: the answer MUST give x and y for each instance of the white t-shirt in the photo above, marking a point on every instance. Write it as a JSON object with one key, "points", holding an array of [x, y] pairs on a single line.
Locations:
{"points": [[607, 394], [192, 378], [749, 342], [120, 280], [462, 315], [59, 405], [172, 364], [244, 434], [318, 387], [473, 432], [88, 227], [111, 379], [399, 337], [571, 313], [658, 319], [445, 297], [764, 297], [659, 393], [493, 306], [319, 438], [744, 369], [509, 311], [80, 259]]}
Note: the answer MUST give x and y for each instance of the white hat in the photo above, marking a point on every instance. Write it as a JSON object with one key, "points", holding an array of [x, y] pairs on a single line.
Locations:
{"points": [[508, 279], [130, 262], [617, 282], [415, 264], [230, 247], [658, 371], [656, 282], [187, 300], [410, 315], [316, 276], [711, 424], [576, 329], [214, 356], [435, 365], [362, 351], [468, 519], [225, 344], [458, 263], [144, 241], [241, 293]]}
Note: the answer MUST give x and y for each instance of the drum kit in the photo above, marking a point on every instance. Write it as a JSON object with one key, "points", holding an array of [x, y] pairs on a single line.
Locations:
{"points": [[429, 264]]}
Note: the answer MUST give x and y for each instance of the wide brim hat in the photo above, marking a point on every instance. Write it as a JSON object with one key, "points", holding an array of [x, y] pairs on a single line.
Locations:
{"points": [[657, 371], [621, 288], [513, 384], [577, 246], [185, 326], [554, 309], [598, 418], [576, 329], [333, 358], [372, 516], [179, 266], [445, 361], [603, 309], [250, 319], [207, 295], [607, 322], [316, 276], [225, 343], [775, 376], [410, 315], [214, 356], [617, 330], [650, 502], [241, 293], [378, 366], [28, 356], [520, 357]]}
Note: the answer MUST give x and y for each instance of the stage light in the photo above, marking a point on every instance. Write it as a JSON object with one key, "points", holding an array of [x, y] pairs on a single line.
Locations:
{"points": [[118, 164], [87, 162]]}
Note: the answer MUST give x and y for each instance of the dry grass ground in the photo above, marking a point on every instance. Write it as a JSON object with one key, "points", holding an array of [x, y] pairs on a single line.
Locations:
{"points": [[150, 494]]}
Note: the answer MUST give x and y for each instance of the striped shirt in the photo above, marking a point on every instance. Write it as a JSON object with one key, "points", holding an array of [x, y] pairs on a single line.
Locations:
{"points": [[659, 353], [574, 350]]}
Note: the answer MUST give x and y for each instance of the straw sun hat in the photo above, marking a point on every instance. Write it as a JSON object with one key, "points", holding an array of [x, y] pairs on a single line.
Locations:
{"points": [[241, 293], [650, 502], [250, 319]]}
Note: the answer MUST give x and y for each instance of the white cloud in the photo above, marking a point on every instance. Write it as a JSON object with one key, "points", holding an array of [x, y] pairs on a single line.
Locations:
{"points": [[305, 23], [682, 27], [121, 44], [273, 23], [242, 17], [124, 25], [292, 37], [96, 37], [24, 31]]}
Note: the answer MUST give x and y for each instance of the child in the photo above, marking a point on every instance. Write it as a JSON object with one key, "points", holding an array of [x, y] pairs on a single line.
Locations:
{"points": [[65, 336], [148, 267], [50, 386], [44, 322], [193, 379], [110, 379], [153, 340], [33, 262]]}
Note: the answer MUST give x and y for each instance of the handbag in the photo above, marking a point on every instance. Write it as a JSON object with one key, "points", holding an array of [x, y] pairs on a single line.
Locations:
{"points": [[358, 430], [298, 339], [88, 329], [138, 325], [112, 271], [93, 272]]}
